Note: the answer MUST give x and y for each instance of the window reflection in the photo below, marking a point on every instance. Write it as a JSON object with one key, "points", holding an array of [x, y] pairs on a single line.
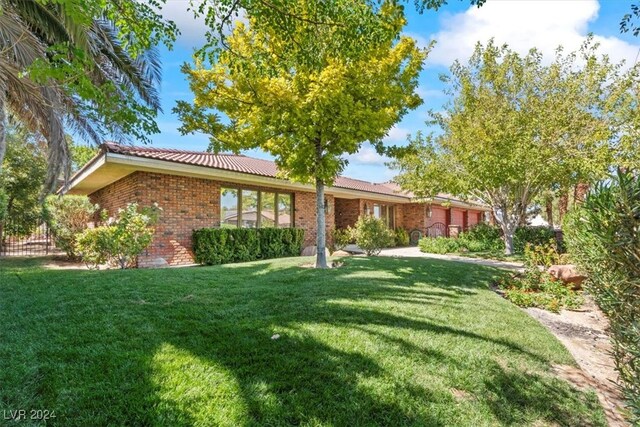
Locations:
{"points": [[229, 208], [284, 210], [249, 218]]}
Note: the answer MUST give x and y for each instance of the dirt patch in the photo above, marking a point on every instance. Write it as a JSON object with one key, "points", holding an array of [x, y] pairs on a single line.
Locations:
{"points": [[61, 262], [584, 333]]}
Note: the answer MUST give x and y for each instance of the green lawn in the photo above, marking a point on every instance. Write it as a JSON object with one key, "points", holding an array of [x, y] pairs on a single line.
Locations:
{"points": [[376, 342], [495, 255]]}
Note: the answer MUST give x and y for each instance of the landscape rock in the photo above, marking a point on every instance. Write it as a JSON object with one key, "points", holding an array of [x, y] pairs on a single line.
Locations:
{"points": [[568, 274], [341, 253]]}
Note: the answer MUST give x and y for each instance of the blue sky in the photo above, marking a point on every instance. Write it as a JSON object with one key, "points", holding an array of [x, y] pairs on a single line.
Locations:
{"points": [[456, 28]]}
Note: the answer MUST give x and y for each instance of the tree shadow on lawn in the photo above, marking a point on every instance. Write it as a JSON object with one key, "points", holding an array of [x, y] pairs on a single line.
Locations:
{"points": [[198, 348]]}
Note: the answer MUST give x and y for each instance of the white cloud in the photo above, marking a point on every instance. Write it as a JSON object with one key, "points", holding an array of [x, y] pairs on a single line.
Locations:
{"points": [[367, 155], [397, 134], [523, 25], [192, 29], [427, 94]]}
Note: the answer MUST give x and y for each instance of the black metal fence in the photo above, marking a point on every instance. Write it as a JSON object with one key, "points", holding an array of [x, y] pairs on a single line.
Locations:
{"points": [[20, 239]]}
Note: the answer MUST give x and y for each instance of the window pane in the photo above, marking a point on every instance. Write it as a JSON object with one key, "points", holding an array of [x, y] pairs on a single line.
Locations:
{"points": [[249, 216], [376, 211], [229, 208], [392, 217], [267, 210], [284, 210]]}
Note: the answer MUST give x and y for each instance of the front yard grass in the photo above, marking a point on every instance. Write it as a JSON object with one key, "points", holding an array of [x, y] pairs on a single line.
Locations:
{"points": [[495, 255], [379, 341]]}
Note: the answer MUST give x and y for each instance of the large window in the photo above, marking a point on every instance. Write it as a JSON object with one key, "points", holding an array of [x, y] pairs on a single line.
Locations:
{"points": [[229, 208], [285, 214], [251, 208], [386, 213]]}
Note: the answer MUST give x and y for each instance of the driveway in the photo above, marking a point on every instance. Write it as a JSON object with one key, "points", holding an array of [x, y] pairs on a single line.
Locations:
{"points": [[414, 252]]}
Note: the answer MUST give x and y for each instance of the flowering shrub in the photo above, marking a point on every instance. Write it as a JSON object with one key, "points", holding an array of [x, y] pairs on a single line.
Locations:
{"points": [[121, 240]]}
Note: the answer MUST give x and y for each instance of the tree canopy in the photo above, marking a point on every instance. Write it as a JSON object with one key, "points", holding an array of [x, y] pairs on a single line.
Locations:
{"points": [[311, 101], [515, 127], [86, 66]]}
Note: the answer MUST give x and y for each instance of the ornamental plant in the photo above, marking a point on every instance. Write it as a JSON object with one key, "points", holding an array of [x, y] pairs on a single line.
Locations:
{"points": [[67, 216], [371, 234], [603, 239], [121, 240]]}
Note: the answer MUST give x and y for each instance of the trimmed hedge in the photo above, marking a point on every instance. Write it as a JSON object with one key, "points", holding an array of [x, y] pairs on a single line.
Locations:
{"points": [[213, 246]]}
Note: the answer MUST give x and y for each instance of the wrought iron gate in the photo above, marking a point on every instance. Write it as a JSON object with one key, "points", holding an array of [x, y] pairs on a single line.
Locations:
{"points": [[438, 229], [20, 239]]}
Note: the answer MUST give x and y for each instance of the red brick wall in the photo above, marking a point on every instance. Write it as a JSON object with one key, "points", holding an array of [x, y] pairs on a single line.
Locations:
{"points": [[188, 204], [414, 216], [347, 212], [305, 217]]}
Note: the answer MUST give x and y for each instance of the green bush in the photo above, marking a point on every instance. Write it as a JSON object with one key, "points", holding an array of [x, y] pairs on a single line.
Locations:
{"points": [[341, 238], [482, 237], [439, 245], [213, 246], [66, 217], [535, 236], [402, 237], [3, 204], [371, 234], [120, 241], [603, 238], [95, 245]]}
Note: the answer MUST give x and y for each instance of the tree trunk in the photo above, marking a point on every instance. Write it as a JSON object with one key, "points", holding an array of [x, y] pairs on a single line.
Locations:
{"points": [[549, 210], [3, 129], [563, 205], [508, 241], [580, 192], [508, 224], [321, 257]]}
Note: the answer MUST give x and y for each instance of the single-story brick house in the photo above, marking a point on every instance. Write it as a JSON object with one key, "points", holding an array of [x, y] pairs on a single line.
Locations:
{"points": [[199, 189]]}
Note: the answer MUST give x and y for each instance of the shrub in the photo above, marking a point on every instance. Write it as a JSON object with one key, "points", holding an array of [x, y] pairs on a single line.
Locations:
{"points": [[95, 245], [213, 246], [3, 204], [543, 255], [66, 217], [371, 234], [121, 240], [402, 237], [341, 238], [535, 236], [482, 237], [603, 238], [439, 245]]}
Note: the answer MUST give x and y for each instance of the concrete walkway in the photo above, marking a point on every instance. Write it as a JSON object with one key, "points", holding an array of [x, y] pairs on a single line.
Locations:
{"points": [[414, 252]]}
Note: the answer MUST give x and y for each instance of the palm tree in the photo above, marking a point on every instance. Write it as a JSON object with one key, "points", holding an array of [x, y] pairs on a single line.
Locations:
{"points": [[51, 106]]}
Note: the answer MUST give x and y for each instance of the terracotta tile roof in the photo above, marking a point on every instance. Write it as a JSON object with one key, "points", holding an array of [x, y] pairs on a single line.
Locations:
{"points": [[238, 163]]}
